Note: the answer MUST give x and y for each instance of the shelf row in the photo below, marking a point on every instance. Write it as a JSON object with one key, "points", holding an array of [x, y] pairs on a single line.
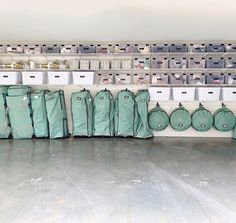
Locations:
{"points": [[108, 78], [116, 48], [181, 94]]}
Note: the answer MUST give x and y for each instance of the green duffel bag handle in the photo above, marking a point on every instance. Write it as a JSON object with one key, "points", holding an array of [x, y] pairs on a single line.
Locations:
{"points": [[224, 119], [180, 119], [202, 119], [158, 119]]}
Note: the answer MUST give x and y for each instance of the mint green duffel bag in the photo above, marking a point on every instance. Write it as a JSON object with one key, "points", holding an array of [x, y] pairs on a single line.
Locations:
{"points": [[18, 90], [224, 119], [82, 113], [141, 126], [38, 104], [56, 114], [103, 113], [5, 129], [20, 115], [124, 113], [202, 119], [180, 119], [158, 119]]}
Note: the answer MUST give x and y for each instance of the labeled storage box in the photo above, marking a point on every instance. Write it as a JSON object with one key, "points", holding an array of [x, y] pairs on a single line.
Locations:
{"points": [[178, 48], [159, 93], [230, 63], [94, 64], [160, 48], [178, 78], [126, 48], [105, 65], [83, 78], [159, 78], [126, 64], [68, 49], [84, 65], [196, 78], [178, 63], [59, 77], [159, 63], [34, 77], [105, 78], [229, 94], [141, 63], [230, 47], [208, 94], [50, 48], [123, 79], [230, 78], [32, 49], [197, 48], [215, 63], [3, 49], [104, 48], [142, 48], [215, 48], [115, 64], [215, 78], [15, 49], [141, 78], [86, 48], [10, 77], [196, 63], [183, 93]]}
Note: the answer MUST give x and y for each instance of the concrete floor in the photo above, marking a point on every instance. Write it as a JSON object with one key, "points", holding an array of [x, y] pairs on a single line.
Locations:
{"points": [[118, 181]]}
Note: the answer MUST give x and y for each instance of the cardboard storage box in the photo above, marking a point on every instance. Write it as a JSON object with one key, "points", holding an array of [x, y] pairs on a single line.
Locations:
{"points": [[84, 65], [183, 93], [10, 77], [208, 93], [159, 78], [126, 64], [94, 64], [159, 93], [115, 64], [59, 77], [123, 78], [34, 77], [105, 65], [229, 94], [83, 77]]}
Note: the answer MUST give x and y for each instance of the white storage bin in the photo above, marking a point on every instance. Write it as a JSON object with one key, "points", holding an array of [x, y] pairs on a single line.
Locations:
{"points": [[10, 77], [32, 49], [229, 94], [183, 93], [83, 78], [159, 93], [14, 49], [33, 77], [59, 77], [208, 94], [84, 65]]}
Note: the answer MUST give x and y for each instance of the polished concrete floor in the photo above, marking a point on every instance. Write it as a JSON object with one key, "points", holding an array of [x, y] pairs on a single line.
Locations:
{"points": [[118, 181]]}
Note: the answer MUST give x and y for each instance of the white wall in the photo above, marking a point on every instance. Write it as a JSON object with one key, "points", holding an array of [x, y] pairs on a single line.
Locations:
{"points": [[117, 20]]}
